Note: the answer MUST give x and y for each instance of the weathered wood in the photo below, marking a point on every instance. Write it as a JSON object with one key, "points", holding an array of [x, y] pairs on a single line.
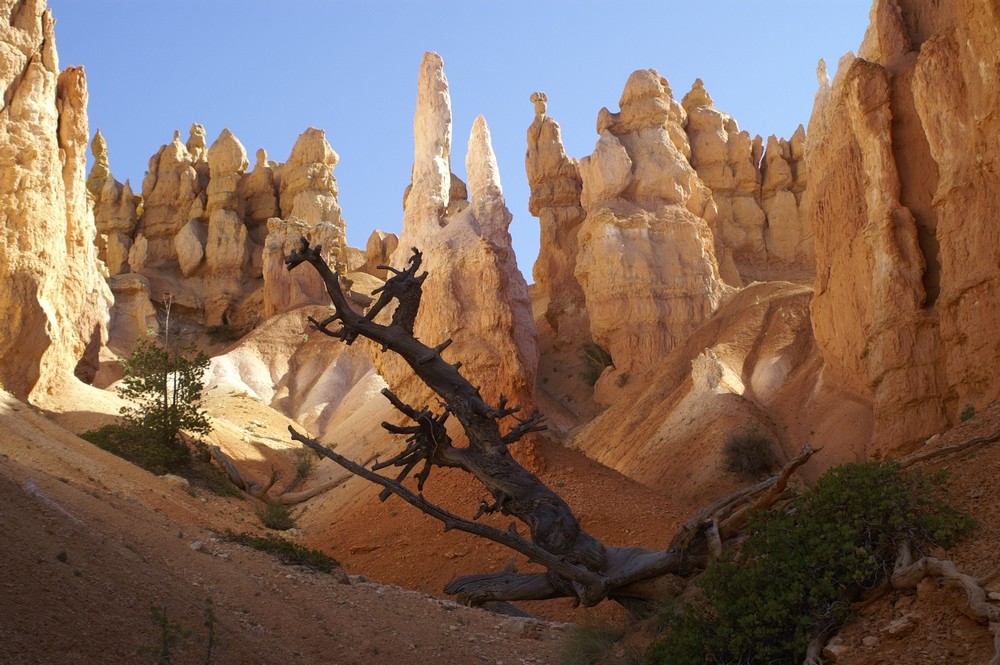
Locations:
{"points": [[918, 458], [579, 565]]}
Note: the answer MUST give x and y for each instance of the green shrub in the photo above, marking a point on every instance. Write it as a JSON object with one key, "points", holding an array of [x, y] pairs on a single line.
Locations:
{"points": [[166, 390], [797, 572], [749, 453], [967, 414], [131, 444], [588, 644], [277, 516], [287, 552], [305, 460], [595, 360]]}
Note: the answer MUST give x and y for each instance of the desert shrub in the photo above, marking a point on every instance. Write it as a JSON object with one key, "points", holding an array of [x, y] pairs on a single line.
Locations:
{"points": [[222, 333], [967, 414], [797, 572], [595, 360], [166, 391], [305, 460], [287, 552], [748, 453], [277, 516], [588, 644], [131, 444]]}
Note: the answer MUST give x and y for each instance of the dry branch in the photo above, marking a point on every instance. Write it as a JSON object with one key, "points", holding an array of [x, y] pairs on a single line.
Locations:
{"points": [[579, 566]]}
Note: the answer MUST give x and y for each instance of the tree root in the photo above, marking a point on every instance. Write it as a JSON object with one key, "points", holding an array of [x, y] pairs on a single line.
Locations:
{"points": [[950, 450], [908, 573]]}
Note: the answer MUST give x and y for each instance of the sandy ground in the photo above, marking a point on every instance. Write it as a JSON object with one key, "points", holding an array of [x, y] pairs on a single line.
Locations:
{"points": [[91, 543]]}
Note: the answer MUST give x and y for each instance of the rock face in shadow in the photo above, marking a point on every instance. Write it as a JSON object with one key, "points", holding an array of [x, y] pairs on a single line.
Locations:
{"points": [[54, 294], [902, 193], [475, 293]]}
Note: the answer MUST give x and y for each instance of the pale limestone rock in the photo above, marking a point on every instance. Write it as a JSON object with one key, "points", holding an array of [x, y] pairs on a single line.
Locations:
{"points": [[759, 232], [169, 190], [55, 298], [431, 179], [646, 261], [114, 210], [190, 247], [901, 150], [378, 252], [556, 189], [489, 317], [606, 173], [308, 188], [259, 190], [101, 171], [133, 316], [226, 245], [284, 289]]}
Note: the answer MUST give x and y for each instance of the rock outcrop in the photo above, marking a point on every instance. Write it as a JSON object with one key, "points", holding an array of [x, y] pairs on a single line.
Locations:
{"points": [[55, 297], [200, 231], [641, 240], [644, 255], [489, 315], [759, 232], [903, 179], [114, 210]]}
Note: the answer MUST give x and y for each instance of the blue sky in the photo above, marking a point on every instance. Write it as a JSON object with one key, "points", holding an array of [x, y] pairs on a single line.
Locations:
{"points": [[269, 70]]}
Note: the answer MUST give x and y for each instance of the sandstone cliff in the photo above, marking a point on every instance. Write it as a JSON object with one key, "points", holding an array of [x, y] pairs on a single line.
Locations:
{"points": [[474, 294], [55, 298], [902, 193]]}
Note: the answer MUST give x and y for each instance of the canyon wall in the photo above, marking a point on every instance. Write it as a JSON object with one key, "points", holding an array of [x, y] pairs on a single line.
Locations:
{"points": [[902, 194], [54, 296]]}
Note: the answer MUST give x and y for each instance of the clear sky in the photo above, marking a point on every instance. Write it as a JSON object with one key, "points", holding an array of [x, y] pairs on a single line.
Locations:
{"points": [[268, 70]]}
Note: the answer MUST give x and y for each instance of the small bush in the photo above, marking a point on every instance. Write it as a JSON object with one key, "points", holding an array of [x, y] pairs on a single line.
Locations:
{"points": [[595, 360], [131, 444], [222, 333], [305, 460], [287, 552], [968, 413], [749, 453], [797, 572], [587, 645], [277, 516]]}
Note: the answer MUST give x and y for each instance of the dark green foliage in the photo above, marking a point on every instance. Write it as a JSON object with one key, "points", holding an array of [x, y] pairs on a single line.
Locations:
{"points": [[222, 333], [166, 389], [749, 453], [171, 637], [968, 413], [277, 516], [129, 444], [166, 392], [797, 572], [287, 552], [595, 359], [587, 645]]}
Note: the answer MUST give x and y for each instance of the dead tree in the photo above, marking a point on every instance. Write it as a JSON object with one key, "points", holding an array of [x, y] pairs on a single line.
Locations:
{"points": [[579, 566]]}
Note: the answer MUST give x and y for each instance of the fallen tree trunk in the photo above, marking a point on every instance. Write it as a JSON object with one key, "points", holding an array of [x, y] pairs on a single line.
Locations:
{"points": [[579, 565]]}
